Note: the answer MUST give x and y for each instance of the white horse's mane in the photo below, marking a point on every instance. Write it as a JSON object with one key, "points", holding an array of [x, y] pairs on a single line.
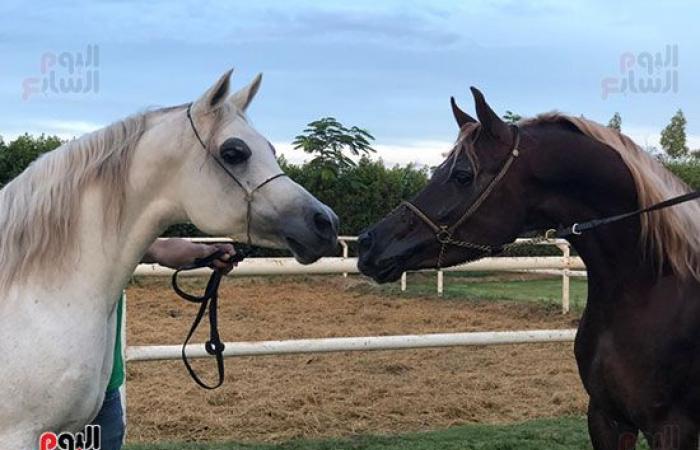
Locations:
{"points": [[39, 209]]}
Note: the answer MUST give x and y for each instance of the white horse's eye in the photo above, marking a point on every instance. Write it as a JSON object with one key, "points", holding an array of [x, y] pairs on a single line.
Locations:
{"points": [[234, 151]]}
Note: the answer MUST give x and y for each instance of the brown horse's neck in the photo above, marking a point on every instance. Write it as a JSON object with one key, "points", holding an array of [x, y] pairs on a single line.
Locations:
{"points": [[581, 179]]}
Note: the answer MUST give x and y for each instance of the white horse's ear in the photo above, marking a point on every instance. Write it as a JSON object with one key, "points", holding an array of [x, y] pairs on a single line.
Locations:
{"points": [[243, 97], [215, 95]]}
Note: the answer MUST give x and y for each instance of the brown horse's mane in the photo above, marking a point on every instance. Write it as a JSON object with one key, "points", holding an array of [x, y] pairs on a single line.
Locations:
{"points": [[671, 234]]}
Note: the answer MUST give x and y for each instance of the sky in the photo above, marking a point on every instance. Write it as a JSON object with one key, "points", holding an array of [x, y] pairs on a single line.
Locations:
{"points": [[387, 66]]}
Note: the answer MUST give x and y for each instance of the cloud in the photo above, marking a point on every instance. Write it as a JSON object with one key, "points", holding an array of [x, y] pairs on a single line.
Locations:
{"points": [[220, 22], [650, 137], [421, 153], [64, 129], [349, 26]]}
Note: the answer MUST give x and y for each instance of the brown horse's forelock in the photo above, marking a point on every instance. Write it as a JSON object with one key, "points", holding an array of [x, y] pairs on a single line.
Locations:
{"points": [[465, 145]]}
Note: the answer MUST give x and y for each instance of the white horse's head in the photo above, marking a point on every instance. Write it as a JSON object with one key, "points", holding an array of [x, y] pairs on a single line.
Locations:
{"points": [[230, 182]]}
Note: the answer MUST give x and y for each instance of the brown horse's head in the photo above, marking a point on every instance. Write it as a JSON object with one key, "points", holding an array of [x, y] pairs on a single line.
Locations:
{"points": [[405, 241]]}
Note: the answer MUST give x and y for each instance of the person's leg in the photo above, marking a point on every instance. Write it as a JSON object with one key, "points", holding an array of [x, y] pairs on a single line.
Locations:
{"points": [[111, 421]]}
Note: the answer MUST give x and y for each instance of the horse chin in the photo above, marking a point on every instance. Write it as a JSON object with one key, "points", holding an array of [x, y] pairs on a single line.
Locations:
{"points": [[302, 253], [388, 274], [384, 271]]}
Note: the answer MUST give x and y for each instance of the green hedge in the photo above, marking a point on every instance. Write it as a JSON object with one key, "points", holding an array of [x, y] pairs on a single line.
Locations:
{"points": [[688, 171], [360, 195]]}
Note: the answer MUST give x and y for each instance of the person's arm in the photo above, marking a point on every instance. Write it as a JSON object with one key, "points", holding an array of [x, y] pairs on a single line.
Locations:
{"points": [[175, 253]]}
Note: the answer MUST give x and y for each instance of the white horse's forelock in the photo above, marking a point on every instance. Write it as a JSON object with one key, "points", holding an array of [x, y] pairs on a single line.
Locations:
{"points": [[39, 208]]}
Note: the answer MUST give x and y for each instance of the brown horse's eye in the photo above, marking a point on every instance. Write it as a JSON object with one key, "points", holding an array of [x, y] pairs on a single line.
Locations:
{"points": [[463, 176], [234, 151]]}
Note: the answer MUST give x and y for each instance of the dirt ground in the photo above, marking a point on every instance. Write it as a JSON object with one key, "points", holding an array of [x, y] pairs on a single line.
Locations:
{"points": [[277, 398]]}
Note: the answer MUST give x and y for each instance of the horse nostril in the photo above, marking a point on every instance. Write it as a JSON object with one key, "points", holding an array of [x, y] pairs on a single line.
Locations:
{"points": [[323, 224]]}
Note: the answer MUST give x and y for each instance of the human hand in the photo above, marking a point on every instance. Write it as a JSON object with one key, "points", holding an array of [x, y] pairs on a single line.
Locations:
{"points": [[176, 253]]}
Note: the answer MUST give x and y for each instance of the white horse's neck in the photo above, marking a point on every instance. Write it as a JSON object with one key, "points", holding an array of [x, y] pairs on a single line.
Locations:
{"points": [[64, 329], [107, 255]]}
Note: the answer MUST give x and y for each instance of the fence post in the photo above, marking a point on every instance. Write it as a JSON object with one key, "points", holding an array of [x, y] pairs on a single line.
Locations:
{"points": [[122, 389], [403, 282], [565, 286], [439, 282], [345, 253]]}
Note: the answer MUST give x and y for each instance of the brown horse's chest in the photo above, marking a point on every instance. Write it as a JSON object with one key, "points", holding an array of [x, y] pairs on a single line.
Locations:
{"points": [[642, 361]]}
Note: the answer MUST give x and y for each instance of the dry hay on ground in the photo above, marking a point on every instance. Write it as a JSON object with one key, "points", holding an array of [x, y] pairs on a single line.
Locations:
{"points": [[280, 397]]}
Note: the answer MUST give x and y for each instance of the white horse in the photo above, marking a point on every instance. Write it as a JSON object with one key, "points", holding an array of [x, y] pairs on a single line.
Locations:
{"points": [[76, 223]]}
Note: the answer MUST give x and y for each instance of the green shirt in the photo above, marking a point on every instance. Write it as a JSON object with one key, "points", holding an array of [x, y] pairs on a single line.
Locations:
{"points": [[117, 377]]}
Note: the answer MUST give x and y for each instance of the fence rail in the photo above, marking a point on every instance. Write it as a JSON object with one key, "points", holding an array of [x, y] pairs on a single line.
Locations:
{"points": [[353, 344], [564, 265], [344, 265]]}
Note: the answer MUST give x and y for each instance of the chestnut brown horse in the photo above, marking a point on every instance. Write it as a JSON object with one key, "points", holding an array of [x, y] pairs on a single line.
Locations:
{"points": [[638, 342]]}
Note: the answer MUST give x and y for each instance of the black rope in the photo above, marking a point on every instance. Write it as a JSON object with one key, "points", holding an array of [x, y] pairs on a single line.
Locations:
{"points": [[208, 301], [578, 228]]}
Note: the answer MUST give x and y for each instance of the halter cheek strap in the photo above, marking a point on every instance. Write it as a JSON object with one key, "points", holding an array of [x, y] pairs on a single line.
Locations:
{"points": [[249, 193]]}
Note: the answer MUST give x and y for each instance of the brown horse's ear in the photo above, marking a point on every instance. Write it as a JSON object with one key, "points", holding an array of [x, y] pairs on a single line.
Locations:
{"points": [[461, 117], [490, 122]]}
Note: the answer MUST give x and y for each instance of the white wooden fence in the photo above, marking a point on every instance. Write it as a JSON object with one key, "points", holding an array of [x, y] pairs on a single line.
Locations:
{"points": [[563, 265], [346, 264]]}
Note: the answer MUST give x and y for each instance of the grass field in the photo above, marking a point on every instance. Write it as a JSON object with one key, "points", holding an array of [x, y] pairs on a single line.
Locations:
{"points": [[458, 286], [567, 433]]}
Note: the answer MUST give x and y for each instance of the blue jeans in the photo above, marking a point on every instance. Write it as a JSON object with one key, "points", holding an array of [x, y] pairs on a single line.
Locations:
{"points": [[111, 420]]}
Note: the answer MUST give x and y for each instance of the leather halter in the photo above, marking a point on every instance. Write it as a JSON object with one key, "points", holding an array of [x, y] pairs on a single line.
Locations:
{"points": [[444, 234], [249, 193]]}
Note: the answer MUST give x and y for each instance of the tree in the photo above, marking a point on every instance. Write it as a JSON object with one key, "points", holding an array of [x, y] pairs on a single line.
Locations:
{"points": [[615, 122], [673, 136], [328, 139], [361, 194], [511, 117], [18, 154]]}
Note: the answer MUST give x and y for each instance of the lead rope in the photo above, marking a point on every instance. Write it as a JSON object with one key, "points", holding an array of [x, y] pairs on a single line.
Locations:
{"points": [[209, 300]]}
